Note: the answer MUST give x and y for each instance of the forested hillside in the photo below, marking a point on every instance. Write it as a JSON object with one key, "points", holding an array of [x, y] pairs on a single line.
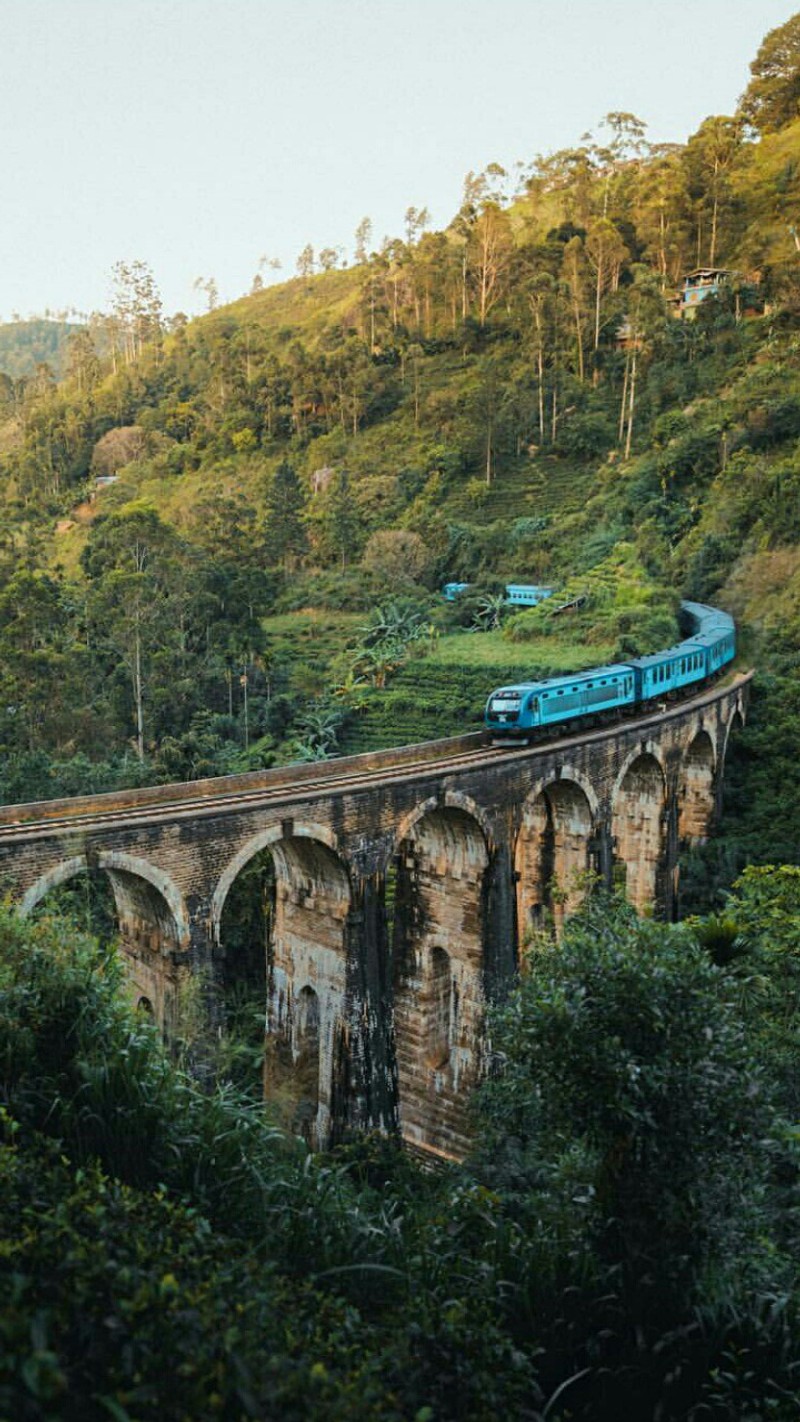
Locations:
{"points": [[26, 345], [222, 546], [223, 539]]}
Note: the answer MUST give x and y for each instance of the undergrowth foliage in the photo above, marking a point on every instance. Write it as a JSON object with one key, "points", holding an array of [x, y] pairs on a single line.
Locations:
{"points": [[622, 1243]]}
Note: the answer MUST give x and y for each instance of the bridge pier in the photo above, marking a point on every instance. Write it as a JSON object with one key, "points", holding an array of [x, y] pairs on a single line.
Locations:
{"points": [[501, 937], [373, 1102]]}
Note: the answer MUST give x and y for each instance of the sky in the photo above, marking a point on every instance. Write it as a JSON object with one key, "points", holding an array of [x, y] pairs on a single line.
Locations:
{"points": [[201, 135]]}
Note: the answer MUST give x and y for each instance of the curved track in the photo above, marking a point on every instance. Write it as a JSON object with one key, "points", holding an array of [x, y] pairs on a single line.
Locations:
{"points": [[226, 795]]}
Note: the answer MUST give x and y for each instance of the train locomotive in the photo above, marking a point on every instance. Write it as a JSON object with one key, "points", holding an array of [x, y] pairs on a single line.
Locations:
{"points": [[517, 710]]}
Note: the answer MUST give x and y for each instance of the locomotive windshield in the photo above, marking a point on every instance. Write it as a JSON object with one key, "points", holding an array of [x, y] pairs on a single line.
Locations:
{"points": [[504, 701]]}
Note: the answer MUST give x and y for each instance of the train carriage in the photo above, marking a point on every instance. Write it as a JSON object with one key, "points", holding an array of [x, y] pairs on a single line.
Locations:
{"points": [[668, 671], [719, 647], [521, 708], [516, 710]]}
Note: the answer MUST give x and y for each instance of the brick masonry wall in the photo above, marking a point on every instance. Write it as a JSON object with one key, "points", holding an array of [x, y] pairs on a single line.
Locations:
{"points": [[387, 1004]]}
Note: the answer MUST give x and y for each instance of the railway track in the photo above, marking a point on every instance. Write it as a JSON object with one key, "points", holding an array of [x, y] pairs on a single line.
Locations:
{"points": [[35, 821]]}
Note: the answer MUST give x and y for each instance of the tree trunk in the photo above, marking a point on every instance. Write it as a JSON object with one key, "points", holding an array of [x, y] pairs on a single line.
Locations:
{"points": [[621, 430], [541, 396], [712, 250], [662, 251], [137, 691], [597, 291], [632, 404], [578, 336]]}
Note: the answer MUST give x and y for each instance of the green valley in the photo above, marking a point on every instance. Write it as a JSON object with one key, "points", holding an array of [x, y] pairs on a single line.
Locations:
{"points": [[230, 1187]]}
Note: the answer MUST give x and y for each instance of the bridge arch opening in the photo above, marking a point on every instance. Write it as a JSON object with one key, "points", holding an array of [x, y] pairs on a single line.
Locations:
{"points": [[119, 896], [638, 829], [696, 790], [733, 730], [281, 914], [80, 893], [440, 889], [553, 855]]}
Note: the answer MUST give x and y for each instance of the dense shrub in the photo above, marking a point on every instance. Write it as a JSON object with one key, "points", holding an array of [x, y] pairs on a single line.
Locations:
{"points": [[621, 1245]]}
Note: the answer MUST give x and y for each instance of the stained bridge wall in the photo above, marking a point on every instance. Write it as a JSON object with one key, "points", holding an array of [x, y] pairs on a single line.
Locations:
{"points": [[641, 786]]}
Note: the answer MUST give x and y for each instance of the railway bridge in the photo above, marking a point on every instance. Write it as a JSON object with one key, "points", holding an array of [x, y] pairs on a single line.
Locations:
{"points": [[405, 883]]}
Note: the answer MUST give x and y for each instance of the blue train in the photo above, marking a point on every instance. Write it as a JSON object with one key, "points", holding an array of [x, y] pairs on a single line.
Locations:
{"points": [[519, 594], [516, 710]]}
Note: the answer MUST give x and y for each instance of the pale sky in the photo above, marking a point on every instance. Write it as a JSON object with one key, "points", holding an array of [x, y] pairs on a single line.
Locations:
{"points": [[199, 135]]}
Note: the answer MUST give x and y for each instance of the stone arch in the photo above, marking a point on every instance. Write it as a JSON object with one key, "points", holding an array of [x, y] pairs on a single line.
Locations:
{"points": [[263, 840], [443, 857], [735, 722], [696, 789], [638, 826], [305, 955], [650, 749], [59, 874], [439, 1012], [554, 848], [152, 920], [125, 871], [305, 1049], [451, 800]]}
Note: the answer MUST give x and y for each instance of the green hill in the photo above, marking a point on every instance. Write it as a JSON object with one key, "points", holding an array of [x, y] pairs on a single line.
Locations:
{"points": [[547, 389], [24, 345]]}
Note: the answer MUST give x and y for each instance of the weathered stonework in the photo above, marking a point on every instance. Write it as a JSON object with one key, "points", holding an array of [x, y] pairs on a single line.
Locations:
{"points": [[406, 883]]}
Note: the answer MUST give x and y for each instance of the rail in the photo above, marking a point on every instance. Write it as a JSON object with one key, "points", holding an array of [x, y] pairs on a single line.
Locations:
{"points": [[313, 780]]}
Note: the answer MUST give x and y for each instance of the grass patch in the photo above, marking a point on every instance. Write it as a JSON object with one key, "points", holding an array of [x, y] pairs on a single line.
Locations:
{"points": [[492, 651]]}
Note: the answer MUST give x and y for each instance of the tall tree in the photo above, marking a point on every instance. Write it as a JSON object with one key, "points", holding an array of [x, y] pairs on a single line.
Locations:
{"points": [[711, 152], [363, 235], [132, 559], [284, 506], [83, 365], [137, 306], [772, 98], [341, 521], [305, 261]]}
